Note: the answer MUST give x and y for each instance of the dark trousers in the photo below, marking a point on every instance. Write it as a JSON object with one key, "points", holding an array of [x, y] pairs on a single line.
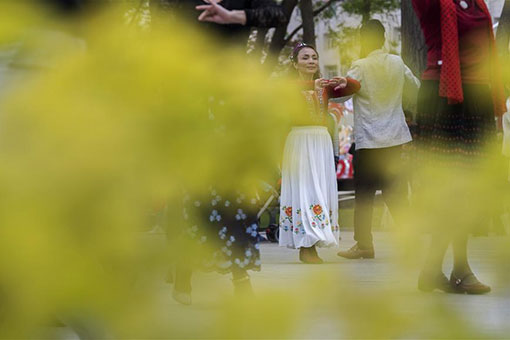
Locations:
{"points": [[377, 169]]}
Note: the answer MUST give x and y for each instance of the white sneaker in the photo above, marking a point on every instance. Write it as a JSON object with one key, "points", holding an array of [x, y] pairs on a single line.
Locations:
{"points": [[181, 297]]}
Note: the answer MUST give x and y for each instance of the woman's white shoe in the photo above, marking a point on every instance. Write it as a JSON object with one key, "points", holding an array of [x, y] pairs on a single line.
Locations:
{"points": [[181, 297]]}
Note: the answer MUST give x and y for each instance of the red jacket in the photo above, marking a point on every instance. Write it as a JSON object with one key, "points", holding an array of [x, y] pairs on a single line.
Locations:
{"points": [[469, 56], [352, 87]]}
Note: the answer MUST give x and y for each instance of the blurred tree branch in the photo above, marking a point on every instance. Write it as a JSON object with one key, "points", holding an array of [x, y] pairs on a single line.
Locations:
{"points": [[414, 50], [503, 40], [308, 24], [278, 41], [315, 13]]}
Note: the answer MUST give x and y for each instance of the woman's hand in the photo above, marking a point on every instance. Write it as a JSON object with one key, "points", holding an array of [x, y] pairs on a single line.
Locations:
{"points": [[212, 12], [338, 83], [321, 83]]}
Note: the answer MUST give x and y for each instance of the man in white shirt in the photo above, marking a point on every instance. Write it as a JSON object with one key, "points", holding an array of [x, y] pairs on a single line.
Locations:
{"points": [[380, 130]]}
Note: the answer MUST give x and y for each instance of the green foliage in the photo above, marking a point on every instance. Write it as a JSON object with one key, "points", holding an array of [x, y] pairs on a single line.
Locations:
{"points": [[328, 13], [347, 39], [366, 8]]}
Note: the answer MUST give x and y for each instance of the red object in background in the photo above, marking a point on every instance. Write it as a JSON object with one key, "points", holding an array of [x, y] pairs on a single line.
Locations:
{"points": [[337, 109], [468, 49], [345, 169]]}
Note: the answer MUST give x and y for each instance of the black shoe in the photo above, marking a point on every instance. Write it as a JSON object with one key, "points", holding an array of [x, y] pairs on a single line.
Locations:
{"points": [[356, 253], [427, 282], [461, 287], [242, 287]]}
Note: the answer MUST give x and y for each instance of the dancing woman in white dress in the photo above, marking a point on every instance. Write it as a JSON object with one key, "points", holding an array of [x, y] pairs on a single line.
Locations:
{"points": [[309, 199]]}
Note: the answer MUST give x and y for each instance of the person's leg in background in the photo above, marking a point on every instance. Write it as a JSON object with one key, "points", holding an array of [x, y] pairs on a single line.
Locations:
{"points": [[394, 184], [365, 188], [183, 249], [462, 278], [431, 276], [182, 283], [242, 282]]}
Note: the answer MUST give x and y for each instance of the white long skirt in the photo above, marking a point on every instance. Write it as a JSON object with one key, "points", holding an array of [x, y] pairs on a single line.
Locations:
{"points": [[309, 198]]}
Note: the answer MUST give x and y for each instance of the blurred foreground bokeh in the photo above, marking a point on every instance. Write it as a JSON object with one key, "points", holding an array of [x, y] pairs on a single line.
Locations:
{"points": [[94, 143]]}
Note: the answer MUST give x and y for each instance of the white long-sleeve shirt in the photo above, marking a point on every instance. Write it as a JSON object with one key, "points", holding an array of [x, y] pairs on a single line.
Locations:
{"points": [[379, 120]]}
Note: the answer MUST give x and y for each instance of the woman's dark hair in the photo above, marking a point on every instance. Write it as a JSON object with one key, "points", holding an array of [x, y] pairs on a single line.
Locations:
{"points": [[295, 52]]}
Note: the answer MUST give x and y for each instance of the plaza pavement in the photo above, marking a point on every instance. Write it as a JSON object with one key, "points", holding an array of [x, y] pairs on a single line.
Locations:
{"points": [[391, 276]]}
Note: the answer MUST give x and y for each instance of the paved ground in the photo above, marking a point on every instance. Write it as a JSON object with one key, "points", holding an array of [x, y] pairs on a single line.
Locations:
{"points": [[347, 298]]}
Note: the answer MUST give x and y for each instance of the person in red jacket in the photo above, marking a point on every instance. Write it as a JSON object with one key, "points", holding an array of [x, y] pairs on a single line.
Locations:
{"points": [[460, 96]]}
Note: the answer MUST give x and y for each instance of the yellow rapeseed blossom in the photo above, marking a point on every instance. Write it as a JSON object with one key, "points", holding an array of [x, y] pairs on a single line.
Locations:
{"points": [[94, 141]]}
